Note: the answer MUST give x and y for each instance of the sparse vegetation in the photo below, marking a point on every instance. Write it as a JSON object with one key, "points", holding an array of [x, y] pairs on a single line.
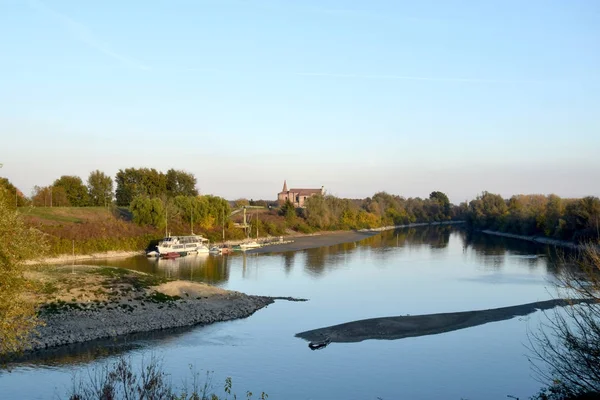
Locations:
{"points": [[568, 344], [120, 380]]}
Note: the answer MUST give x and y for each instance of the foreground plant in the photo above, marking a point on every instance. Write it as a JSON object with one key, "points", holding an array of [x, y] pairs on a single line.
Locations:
{"points": [[119, 380], [568, 344], [17, 243]]}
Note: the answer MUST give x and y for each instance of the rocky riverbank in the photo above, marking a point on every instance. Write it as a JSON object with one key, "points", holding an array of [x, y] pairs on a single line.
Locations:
{"points": [[76, 324], [82, 303]]}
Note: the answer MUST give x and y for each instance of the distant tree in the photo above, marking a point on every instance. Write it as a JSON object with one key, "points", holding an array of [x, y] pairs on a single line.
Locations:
{"points": [[487, 211], [40, 196], [17, 313], [288, 210], [180, 183], [100, 188], [49, 196], [317, 212], [19, 199], [554, 211], [77, 193], [444, 203], [133, 182], [241, 203], [148, 211]]}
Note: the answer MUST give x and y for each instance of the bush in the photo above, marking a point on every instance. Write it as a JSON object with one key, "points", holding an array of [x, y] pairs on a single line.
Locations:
{"points": [[120, 380]]}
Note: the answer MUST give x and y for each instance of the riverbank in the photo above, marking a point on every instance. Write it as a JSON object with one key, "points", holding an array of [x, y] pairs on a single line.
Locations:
{"points": [[83, 303], [306, 242], [66, 258]]}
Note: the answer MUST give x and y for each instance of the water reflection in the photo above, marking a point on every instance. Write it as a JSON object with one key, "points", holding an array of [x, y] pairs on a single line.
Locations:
{"points": [[200, 268], [490, 252], [97, 350], [418, 271], [493, 252]]}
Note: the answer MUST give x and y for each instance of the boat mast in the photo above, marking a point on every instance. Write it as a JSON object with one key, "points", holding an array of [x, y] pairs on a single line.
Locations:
{"points": [[223, 224], [192, 221]]}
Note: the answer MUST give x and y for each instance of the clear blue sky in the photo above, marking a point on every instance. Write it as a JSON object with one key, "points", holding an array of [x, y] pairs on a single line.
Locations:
{"points": [[358, 96]]}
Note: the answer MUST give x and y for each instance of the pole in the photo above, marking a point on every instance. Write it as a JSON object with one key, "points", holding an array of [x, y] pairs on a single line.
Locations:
{"points": [[50, 196], [223, 225]]}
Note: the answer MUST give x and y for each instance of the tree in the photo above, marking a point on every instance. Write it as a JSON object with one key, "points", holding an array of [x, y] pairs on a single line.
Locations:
{"points": [[17, 195], [19, 243], [100, 188], [444, 203], [133, 182], [239, 203], [569, 343], [49, 196], [180, 183], [76, 192], [288, 211], [148, 211]]}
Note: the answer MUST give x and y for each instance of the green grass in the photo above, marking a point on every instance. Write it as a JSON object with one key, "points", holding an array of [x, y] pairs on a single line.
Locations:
{"points": [[158, 297], [125, 276], [56, 214]]}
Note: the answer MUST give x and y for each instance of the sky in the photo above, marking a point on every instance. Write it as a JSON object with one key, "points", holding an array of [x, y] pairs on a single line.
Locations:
{"points": [[406, 97]]}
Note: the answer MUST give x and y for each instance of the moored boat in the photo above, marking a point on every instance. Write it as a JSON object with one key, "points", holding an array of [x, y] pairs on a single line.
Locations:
{"points": [[249, 245], [182, 245]]}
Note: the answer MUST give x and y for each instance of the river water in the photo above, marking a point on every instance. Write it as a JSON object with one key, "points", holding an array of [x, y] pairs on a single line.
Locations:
{"points": [[412, 271]]}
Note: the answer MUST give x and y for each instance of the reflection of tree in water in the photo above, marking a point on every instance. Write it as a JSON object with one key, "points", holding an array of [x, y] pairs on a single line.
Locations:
{"points": [[331, 256], [435, 237], [288, 261], [492, 251], [201, 268], [97, 350]]}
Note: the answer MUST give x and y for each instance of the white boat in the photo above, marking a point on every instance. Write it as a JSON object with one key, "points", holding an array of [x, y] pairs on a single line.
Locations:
{"points": [[249, 245], [182, 245]]}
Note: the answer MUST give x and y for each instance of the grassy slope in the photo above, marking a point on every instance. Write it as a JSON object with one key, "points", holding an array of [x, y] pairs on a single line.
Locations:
{"points": [[98, 229], [94, 229]]}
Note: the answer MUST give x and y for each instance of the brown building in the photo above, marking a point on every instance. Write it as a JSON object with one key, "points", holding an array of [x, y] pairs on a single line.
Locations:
{"points": [[297, 196]]}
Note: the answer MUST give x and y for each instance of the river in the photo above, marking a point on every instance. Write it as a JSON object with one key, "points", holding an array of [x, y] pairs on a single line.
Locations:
{"points": [[412, 271]]}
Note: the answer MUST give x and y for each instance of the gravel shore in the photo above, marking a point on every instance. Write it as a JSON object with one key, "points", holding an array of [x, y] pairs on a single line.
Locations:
{"points": [[76, 325]]}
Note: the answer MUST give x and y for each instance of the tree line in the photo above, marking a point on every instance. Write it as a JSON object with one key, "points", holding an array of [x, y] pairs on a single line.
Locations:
{"points": [[551, 216], [71, 191], [327, 212]]}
